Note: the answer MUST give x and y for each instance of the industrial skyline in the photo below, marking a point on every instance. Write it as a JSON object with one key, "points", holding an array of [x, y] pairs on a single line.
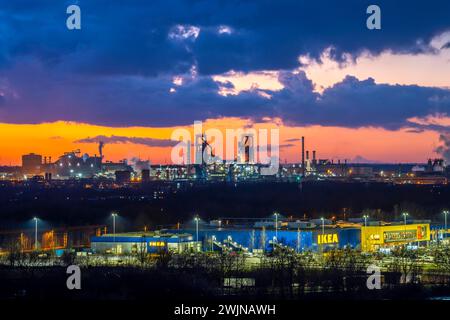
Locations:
{"points": [[154, 143], [378, 95]]}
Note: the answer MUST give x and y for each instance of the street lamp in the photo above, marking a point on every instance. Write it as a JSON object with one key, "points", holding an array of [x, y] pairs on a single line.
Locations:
{"points": [[405, 214], [365, 220], [35, 232], [196, 219], [114, 215], [365, 232], [323, 231], [276, 214], [445, 222]]}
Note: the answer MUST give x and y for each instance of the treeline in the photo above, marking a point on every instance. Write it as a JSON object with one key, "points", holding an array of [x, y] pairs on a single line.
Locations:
{"points": [[282, 275]]}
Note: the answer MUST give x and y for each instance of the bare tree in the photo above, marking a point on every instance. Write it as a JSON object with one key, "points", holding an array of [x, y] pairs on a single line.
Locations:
{"points": [[404, 266], [441, 255], [68, 258], [15, 256], [141, 252]]}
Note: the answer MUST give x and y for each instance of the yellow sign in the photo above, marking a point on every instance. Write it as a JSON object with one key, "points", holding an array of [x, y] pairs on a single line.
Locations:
{"points": [[327, 238], [157, 244]]}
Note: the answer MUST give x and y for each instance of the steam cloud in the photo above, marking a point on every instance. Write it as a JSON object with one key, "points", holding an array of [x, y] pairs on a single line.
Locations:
{"points": [[444, 149], [150, 142]]}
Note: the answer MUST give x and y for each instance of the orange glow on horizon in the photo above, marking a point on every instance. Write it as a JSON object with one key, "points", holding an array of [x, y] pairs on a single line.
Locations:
{"points": [[53, 139]]}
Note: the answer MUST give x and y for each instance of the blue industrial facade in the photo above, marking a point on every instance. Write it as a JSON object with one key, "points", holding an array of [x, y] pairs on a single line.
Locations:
{"points": [[439, 232], [246, 239], [302, 240]]}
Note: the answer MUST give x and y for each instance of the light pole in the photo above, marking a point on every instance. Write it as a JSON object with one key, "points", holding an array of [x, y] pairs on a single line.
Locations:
{"points": [[196, 219], [323, 232], [405, 214], [365, 220], [276, 226], [365, 231], [114, 215], [445, 223], [35, 233], [323, 226]]}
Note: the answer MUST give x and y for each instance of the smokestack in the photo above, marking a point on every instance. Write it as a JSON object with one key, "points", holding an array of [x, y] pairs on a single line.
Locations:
{"points": [[100, 148], [314, 155], [303, 156], [307, 155]]}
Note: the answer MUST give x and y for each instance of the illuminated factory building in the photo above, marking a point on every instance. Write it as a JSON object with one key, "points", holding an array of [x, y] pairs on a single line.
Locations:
{"points": [[73, 165], [31, 164]]}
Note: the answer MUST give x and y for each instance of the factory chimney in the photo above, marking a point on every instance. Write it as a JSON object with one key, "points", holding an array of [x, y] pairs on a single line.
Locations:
{"points": [[303, 156], [100, 148], [314, 157]]}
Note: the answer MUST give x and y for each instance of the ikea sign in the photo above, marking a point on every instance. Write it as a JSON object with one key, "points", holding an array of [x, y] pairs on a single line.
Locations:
{"points": [[327, 238]]}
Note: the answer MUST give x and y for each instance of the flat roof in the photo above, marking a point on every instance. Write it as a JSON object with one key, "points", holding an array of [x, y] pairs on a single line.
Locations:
{"points": [[148, 234]]}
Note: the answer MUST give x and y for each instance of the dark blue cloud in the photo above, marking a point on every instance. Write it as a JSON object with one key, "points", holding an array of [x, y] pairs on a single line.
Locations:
{"points": [[359, 103], [136, 100], [119, 100], [132, 37], [117, 70]]}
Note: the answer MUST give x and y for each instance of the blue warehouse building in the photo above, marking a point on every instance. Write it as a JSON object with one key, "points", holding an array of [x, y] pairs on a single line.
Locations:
{"points": [[255, 240], [226, 239], [258, 239]]}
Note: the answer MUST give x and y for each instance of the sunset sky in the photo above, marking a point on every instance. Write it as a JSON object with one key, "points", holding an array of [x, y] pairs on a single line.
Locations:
{"points": [[137, 70]]}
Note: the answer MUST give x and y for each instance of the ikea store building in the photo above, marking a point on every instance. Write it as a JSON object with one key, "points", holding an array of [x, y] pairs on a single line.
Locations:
{"points": [[257, 240]]}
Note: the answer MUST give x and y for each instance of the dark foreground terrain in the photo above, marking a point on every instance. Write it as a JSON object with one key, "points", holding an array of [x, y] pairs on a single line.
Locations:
{"points": [[105, 283], [157, 204], [282, 275]]}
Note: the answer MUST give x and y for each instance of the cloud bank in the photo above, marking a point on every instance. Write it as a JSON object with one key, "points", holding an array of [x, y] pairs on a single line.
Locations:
{"points": [[118, 69]]}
